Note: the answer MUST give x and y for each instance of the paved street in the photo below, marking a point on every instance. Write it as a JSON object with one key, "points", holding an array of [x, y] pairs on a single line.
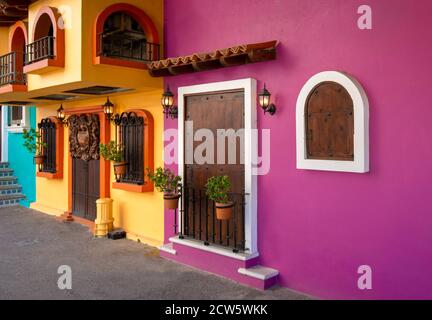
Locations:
{"points": [[33, 245]]}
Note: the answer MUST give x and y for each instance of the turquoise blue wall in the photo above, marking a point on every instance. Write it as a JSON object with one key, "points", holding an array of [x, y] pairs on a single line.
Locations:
{"points": [[21, 161]]}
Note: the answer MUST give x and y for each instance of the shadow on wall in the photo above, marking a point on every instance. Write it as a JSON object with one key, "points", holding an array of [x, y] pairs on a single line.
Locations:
{"points": [[21, 161]]}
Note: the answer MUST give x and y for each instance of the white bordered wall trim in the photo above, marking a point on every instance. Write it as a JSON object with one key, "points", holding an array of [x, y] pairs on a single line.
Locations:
{"points": [[249, 86], [4, 134], [361, 125]]}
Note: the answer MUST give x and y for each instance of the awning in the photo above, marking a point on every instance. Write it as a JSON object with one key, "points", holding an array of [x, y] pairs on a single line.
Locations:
{"points": [[233, 56]]}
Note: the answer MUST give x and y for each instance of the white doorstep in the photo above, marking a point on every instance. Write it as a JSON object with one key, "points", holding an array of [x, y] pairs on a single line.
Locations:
{"points": [[259, 272]]}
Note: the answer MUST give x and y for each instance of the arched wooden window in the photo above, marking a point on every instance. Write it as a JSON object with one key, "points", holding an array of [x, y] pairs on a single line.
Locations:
{"points": [[329, 123], [332, 124]]}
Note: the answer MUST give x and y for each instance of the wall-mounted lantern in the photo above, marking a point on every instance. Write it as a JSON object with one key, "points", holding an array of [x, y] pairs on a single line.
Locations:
{"points": [[169, 109], [61, 116], [264, 101], [108, 109]]}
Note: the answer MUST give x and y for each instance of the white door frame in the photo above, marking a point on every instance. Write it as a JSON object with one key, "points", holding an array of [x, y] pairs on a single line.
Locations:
{"points": [[4, 134], [249, 86]]}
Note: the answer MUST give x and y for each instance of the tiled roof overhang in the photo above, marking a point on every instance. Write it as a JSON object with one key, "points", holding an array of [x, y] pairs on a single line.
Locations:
{"points": [[233, 56]]}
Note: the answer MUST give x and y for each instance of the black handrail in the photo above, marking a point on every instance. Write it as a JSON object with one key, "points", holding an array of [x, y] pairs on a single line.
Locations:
{"points": [[198, 220], [9, 73], [124, 47], [39, 50]]}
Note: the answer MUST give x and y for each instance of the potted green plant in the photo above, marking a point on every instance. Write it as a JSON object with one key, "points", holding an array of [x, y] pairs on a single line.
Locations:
{"points": [[167, 182], [217, 189], [34, 144], [112, 151]]}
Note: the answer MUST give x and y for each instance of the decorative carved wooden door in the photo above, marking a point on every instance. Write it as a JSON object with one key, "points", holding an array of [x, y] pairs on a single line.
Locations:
{"points": [[212, 112], [84, 149]]}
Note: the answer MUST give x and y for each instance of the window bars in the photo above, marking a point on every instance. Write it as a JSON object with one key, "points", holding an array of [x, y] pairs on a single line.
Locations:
{"points": [[47, 130], [130, 132], [198, 220]]}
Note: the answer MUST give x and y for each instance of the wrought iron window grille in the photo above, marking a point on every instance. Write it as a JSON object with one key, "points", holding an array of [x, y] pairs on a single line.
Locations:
{"points": [[130, 135], [47, 130]]}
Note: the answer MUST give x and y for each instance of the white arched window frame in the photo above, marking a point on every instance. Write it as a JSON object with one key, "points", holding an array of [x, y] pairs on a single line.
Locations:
{"points": [[361, 125]]}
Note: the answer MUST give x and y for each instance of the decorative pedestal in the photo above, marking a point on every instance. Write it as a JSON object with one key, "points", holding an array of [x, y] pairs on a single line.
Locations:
{"points": [[104, 220]]}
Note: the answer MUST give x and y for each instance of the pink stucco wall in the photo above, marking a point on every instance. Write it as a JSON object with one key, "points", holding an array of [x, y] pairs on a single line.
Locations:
{"points": [[316, 227]]}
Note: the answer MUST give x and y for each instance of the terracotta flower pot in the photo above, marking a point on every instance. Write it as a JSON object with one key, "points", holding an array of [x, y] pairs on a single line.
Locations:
{"points": [[39, 159], [224, 210], [171, 201], [120, 168]]}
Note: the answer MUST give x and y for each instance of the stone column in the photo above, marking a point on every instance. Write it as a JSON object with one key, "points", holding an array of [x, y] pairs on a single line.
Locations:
{"points": [[104, 220]]}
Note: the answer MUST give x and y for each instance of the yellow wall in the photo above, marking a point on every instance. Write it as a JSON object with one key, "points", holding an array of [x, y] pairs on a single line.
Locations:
{"points": [[4, 40], [52, 195], [71, 12], [140, 214]]}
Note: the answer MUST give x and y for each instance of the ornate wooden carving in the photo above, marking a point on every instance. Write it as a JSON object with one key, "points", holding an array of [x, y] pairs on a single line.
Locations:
{"points": [[84, 136]]}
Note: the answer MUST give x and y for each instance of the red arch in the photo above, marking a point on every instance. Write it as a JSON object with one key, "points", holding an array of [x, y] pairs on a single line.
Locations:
{"points": [[138, 14], [19, 26], [46, 17]]}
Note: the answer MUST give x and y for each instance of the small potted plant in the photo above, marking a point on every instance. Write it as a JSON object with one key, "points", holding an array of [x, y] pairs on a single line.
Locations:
{"points": [[167, 182], [217, 189], [114, 152], [34, 144]]}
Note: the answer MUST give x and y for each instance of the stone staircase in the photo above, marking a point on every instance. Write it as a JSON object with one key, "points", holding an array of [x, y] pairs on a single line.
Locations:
{"points": [[10, 190]]}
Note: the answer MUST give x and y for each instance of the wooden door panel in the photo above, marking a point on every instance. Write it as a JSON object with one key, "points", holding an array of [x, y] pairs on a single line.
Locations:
{"points": [[330, 123], [212, 112], [84, 146], [93, 188]]}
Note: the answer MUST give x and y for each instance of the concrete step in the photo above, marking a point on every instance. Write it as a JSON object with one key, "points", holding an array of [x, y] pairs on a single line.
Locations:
{"points": [[10, 189], [7, 181], [168, 248], [6, 172], [10, 200], [268, 277], [4, 165]]}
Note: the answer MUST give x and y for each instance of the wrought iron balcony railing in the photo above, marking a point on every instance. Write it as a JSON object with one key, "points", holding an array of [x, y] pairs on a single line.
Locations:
{"points": [[198, 220], [9, 73], [39, 50], [122, 46]]}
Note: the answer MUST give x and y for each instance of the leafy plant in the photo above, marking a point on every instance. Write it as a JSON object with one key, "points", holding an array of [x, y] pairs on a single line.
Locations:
{"points": [[217, 189], [111, 151], [164, 180], [33, 141]]}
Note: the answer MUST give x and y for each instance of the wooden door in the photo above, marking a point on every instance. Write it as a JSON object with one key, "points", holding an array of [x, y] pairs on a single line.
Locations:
{"points": [[85, 187], [84, 132], [212, 112]]}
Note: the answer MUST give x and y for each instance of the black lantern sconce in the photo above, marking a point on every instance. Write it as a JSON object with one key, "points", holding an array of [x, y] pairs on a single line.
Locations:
{"points": [[264, 101], [108, 109], [61, 116], [169, 109]]}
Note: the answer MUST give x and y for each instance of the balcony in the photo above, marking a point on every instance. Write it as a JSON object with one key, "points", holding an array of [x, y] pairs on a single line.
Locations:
{"points": [[198, 220], [128, 46], [40, 50], [11, 76]]}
